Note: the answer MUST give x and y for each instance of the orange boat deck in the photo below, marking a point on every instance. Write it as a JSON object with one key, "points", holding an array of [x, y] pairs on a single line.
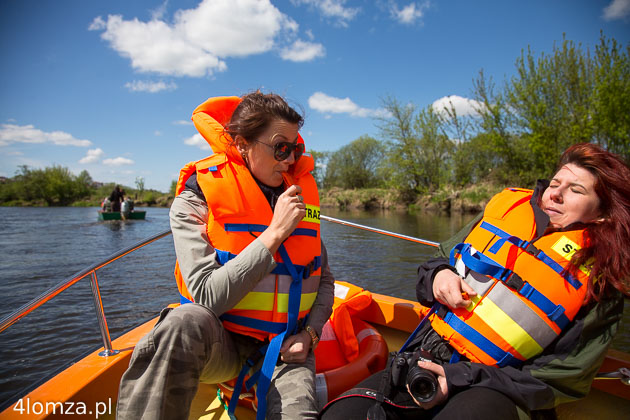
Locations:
{"points": [[92, 383]]}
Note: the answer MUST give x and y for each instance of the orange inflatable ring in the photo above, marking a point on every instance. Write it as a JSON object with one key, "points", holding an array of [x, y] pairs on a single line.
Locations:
{"points": [[372, 357]]}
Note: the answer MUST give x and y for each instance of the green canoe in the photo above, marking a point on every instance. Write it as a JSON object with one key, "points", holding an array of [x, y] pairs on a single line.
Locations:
{"points": [[116, 215]]}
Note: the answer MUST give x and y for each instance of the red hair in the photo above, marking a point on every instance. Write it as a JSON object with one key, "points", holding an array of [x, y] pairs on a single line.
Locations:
{"points": [[606, 240]]}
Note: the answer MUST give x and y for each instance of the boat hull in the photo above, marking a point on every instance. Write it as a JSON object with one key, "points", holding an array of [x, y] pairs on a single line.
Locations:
{"points": [[94, 380], [116, 215]]}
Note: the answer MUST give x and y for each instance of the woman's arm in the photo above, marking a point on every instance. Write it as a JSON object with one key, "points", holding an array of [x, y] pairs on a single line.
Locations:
{"points": [[211, 284], [322, 307]]}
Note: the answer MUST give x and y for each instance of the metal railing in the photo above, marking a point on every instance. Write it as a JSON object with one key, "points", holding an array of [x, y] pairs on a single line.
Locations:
{"points": [[27, 308]]}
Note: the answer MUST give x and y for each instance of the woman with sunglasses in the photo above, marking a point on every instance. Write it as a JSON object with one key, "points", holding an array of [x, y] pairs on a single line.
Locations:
{"points": [[251, 270]]}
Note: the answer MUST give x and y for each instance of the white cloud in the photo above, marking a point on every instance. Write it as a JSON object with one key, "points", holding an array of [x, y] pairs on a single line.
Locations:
{"points": [[92, 156], [160, 11], [301, 51], [618, 9], [409, 14], [151, 87], [12, 133], [119, 161], [464, 107], [198, 141], [321, 102], [334, 9], [198, 40], [182, 122]]}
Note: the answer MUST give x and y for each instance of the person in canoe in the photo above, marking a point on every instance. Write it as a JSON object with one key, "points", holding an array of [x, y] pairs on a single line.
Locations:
{"points": [[525, 301], [116, 197], [251, 269]]}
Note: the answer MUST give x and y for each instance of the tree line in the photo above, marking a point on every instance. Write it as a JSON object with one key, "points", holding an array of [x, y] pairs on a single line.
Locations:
{"points": [[515, 135], [58, 186]]}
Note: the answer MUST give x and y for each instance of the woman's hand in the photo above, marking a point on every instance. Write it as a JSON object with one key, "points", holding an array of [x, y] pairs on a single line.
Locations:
{"points": [[442, 391], [289, 210], [451, 290], [295, 348]]}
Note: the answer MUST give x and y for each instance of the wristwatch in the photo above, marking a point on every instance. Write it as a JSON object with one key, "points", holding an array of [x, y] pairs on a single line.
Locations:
{"points": [[314, 337]]}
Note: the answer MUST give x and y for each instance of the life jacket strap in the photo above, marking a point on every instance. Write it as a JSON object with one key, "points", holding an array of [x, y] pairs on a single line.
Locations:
{"points": [[482, 264], [530, 249], [258, 228], [271, 358], [249, 363]]}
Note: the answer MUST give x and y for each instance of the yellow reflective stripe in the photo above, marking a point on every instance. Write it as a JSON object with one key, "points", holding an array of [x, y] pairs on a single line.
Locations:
{"points": [[256, 301], [261, 301], [306, 303], [312, 214], [507, 328]]}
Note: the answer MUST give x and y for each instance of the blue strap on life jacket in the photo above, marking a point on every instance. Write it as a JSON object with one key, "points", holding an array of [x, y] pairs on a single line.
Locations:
{"points": [[252, 227], [224, 256], [249, 363], [263, 376], [271, 358], [531, 249], [433, 309], [482, 264]]}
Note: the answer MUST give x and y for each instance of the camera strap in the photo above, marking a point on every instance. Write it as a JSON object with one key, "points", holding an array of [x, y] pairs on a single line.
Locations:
{"points": [[434, 308]]}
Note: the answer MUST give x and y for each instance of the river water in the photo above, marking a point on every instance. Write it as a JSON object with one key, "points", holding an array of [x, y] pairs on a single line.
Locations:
{"points": [[39, 247]]}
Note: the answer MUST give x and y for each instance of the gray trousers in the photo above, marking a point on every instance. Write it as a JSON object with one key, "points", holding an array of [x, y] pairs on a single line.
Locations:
{"points": [[189, 345]]}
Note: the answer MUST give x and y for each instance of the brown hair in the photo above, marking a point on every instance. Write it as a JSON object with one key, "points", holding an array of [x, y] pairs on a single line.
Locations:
{"points": [[606, 241], [256, 111]]}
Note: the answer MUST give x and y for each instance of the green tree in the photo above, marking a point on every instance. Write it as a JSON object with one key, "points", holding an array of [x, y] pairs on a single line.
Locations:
{"points": [[140, 185], [356, 165], [611, 97], [319, 171], [173, 188], [554, 101], [435, 149], [396, 129], [56, 186], [552, 96]]}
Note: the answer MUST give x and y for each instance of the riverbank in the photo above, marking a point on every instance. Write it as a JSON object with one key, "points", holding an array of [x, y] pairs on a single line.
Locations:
{"points": [[471, 199]]}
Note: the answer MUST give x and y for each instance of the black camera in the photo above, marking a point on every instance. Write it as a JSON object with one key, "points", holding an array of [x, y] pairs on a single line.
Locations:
{"points": [[405, 371]]}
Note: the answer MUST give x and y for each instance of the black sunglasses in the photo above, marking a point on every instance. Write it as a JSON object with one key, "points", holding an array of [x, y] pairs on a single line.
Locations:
{"points": [[282, 150]]}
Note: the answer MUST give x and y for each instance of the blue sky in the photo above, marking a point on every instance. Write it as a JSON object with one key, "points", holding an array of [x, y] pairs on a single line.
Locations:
{"points": [[109, 86]]}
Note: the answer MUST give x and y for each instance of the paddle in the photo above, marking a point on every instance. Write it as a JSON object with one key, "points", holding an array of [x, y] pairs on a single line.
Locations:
{"points": [[384, 232]]}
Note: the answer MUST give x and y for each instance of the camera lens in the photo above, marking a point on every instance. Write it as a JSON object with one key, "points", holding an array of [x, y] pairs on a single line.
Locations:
{"points": [[422, 384]]}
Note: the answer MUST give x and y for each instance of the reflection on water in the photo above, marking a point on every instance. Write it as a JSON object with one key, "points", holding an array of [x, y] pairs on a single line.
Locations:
{"points": [[43, 246], [40, 247]]}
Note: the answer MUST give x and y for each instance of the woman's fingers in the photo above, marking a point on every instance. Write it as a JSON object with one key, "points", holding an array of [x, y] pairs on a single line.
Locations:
{"points": [[450, 289]]}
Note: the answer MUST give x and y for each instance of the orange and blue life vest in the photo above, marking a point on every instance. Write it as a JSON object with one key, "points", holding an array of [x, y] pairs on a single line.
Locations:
{"points": [[525, 294], [237, 213]]}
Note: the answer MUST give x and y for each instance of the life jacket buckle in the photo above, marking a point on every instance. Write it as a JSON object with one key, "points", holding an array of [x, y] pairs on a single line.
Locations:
{"points": [[308, 269], [532, 250], [515, 282]]}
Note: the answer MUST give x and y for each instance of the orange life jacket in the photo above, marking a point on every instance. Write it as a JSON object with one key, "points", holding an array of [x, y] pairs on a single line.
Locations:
{"points": [[238, 213], [525, 297]]}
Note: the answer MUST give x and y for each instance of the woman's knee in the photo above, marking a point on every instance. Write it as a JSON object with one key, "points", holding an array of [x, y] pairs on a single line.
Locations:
{"points": [[186, 325]]}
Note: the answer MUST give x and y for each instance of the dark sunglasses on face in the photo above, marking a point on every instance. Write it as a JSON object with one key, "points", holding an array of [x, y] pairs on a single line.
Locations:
{"points": [[282, 150]]}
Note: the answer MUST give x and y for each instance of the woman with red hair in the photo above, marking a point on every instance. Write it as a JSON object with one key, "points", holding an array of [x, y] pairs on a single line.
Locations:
{"points": [[525, 302]]}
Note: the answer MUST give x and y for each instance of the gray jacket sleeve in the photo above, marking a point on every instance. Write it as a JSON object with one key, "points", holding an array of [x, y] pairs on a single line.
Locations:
{"points": [[221, 287]]}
